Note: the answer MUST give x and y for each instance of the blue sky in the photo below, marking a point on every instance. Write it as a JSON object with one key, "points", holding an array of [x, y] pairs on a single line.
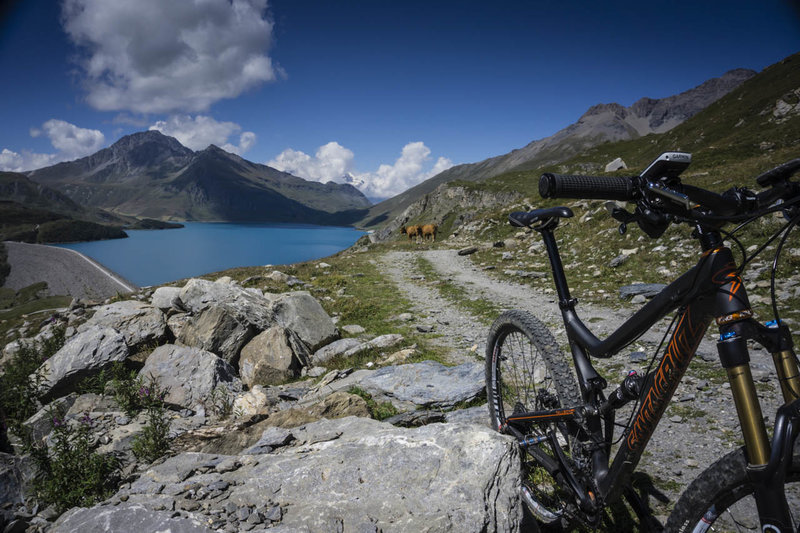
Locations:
{"points": [[391, 92]]}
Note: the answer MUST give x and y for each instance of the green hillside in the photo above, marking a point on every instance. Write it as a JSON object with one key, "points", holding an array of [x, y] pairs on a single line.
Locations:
{"points": [[751, 129]]}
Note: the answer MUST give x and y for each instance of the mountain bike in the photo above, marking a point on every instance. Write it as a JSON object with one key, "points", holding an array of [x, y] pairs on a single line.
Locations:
{"points": [[562, 417]]}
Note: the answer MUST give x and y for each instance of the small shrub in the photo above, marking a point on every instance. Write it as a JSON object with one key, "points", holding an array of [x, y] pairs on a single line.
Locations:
{"points": [[378, 411], [127, 389], [20, 385], [70, 473], [221, 401], [153, 442]]}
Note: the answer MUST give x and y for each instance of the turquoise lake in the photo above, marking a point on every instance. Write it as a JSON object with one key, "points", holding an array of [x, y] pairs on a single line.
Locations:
{"points": [[152, 257]]}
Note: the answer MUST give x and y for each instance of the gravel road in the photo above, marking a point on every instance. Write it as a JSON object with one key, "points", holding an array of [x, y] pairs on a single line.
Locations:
{"points": [[66, 272], [700, 425]]}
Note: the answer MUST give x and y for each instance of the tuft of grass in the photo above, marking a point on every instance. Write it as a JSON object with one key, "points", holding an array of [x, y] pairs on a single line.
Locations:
{"points": [[378, 411]]}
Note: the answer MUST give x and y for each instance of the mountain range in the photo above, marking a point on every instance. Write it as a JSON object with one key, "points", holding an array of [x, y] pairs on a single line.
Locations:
{"points": [[149, 174], [600, 124]]}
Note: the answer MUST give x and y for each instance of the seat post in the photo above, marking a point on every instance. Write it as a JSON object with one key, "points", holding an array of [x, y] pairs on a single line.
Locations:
{"points": [[560, 279]]}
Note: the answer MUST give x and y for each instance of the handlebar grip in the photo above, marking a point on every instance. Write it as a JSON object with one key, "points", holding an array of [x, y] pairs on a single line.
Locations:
{"points": [[779, 173], [587, 187]]}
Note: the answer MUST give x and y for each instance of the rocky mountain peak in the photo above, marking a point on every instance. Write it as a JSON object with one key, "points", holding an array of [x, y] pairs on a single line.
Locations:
{"points": [[151, 139], [601, 109]]}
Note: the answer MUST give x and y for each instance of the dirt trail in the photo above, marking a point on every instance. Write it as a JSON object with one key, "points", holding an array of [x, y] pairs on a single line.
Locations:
{"points": [[700, 425]]}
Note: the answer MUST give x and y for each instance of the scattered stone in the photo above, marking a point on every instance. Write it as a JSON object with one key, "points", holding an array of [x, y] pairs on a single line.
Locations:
{"points": [[468, 251], [618, 261], [616, 164], [648, 290], [273, 357], [250, 402], [425, 328], [353, 329], [637, 357], [333, 350]]}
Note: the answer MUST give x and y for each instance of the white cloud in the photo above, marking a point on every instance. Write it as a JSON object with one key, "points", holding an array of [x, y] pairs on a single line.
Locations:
{"points": [[198, 132], [333, 161], [156, 56], [71, 142]]}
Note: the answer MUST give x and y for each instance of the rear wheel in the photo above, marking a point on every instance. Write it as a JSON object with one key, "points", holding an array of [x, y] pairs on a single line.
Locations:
{"points": [[526, 371], [721, 498]]}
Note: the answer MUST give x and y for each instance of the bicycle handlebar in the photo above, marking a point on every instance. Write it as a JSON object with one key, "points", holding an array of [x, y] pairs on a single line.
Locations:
{"points": [[588, 187], [733, 203]]}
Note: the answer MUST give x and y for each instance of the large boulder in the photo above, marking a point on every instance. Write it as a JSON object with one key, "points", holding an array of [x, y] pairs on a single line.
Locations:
{"points": [[352, 474], [303, 314], [189, 375], [247, 307], [273, 357], [217, 329], [139, 323], [84, 355]]}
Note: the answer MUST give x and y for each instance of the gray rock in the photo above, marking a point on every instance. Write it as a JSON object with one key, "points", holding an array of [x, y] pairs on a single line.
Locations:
{"points": [[245, 306], [217, 330], [41, 424], [468, 250], [648, 290], [177, 323], [333, 350], [126, 516], [12, 483], [167, 298], [474, 415], [380, 342], [271, 439], [616, 164], [353, 329], [138, 322], [82, 356], [273, 357], [354, 474], [427, 384], [618, 261], [188, 374], [303, 314]]}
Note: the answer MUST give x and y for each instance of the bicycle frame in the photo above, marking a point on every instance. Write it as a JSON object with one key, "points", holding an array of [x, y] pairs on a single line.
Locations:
{"points": [[711, 290]]}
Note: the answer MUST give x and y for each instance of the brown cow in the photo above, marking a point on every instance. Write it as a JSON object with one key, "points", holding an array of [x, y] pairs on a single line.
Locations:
{"points": [[429, 230], [411, 231]]}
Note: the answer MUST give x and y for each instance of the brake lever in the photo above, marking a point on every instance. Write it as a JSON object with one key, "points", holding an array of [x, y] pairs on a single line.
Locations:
{"points": [[622, 215]]}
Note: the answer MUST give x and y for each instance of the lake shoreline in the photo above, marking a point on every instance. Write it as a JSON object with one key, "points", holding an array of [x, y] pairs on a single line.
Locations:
{"points": [[150, 258]]}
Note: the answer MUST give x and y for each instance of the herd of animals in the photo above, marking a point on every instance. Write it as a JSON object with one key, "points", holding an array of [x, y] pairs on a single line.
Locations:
{"points": [[415, 233]]}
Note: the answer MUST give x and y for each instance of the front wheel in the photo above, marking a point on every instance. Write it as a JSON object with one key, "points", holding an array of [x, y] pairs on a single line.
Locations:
{"points": [[721, 498]]}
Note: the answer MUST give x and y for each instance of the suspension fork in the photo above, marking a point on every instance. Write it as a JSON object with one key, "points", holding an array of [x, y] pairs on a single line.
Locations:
{"points": [[768, 462]]}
